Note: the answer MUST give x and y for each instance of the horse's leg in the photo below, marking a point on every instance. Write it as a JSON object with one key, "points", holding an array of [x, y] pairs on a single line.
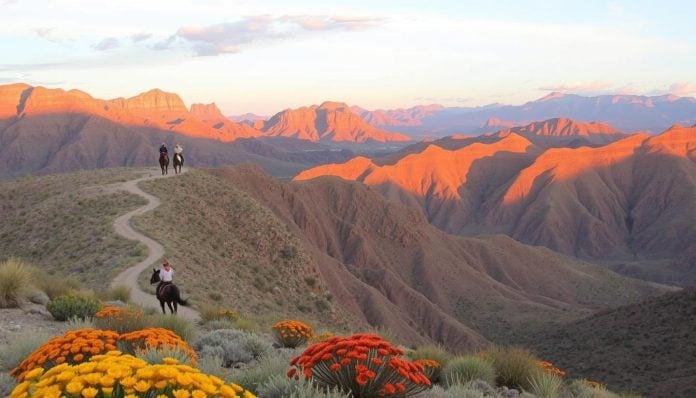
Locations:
{"points": [[176, 305], [162, 305], [171, 310]]}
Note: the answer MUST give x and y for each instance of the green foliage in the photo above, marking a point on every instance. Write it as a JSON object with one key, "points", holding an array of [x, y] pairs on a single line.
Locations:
{"points": [[180, 326], [15, 280], [546, 385], [514, 366], [73, 305], [56, 287], [463, 369], [7, 384], [435, 352], [156, 355], [246, 324], [119, 293], [20, 347], [212, 365]]}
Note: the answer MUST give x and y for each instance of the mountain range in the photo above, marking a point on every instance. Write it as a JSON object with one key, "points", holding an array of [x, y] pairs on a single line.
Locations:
{"points": [[627, 113], [631, 200]]}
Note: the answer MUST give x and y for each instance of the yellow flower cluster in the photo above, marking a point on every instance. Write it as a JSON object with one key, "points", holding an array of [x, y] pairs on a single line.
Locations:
{"points": [[140, 340], [292, 333], [117, 375], [74, 346]]}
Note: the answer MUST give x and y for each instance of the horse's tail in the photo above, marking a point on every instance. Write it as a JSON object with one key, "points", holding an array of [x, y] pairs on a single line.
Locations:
{"points": [[178, 298]]}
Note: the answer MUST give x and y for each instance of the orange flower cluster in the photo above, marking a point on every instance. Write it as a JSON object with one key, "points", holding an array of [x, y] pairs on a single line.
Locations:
{"points": [[549, 368], [292, 334], [431, 368], [141, 340], [363, 364], [223, 313], [73, 347]]}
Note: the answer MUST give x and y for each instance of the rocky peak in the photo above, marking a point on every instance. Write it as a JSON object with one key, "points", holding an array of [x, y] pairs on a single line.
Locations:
{"points": [[156, 100], [207, 111]]}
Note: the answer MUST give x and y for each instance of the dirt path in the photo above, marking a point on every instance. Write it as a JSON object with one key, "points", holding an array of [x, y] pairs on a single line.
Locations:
{"points": [[129, 277]]}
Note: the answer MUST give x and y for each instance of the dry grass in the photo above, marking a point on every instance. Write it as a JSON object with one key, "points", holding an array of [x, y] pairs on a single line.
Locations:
{"points": [[63, 224], [230, 251]]}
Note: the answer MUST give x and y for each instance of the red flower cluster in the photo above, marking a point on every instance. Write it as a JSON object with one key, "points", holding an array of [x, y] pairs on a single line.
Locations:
{"points": [[363, 364]]}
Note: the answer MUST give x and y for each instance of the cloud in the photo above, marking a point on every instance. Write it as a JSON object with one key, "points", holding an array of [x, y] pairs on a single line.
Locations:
{"points": [[166, 44], [680, 89], [578, 87], [228, 37], [7, 2], [138, 37], [107, 44], [48, 33]]}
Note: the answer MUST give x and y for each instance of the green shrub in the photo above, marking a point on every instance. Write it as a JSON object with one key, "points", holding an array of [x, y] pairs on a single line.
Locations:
{"points": [[157, 355], [546, 385], [181, 326], [20, 347], [74, 323], [514, 366], [119, 293], [15, 280], [246, 324], [463, 369], [267, 367], [73, 305], [7, 384], [56, 287], [212, 365], [434, 352]]}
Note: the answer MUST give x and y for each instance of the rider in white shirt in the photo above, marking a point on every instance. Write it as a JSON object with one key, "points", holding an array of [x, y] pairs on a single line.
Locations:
{"points": [[166, 275]]}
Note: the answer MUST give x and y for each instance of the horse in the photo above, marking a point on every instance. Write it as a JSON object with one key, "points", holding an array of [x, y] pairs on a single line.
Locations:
{"points": [[178, 162], [164, 163], [169, 293]]}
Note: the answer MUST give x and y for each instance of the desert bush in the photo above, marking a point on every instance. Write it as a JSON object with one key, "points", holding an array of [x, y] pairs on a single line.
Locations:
{"points": [[214, 313], [118, 375], [514, 366], [121, 319], [583, 388], [279, 386], [73, 305], [212, 365], [463, 369], [7, 384], [233, 346], [75, 346], [246, 324], [291, 334], [180, 326], [119, 293], [431, 368], [253, 378], [362, 364], [157, 355], [546, 385], [15, 280], [56, 287], [219, 324], [153, 338], [20, 347], [432, 352], [74, 323]]}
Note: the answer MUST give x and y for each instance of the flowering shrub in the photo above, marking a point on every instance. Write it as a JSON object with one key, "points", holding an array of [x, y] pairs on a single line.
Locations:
{"points": [[431, 368], [548, 367], [363, 364], [154, 338], [73, 347], [291, 334], [120, 319], [116, 375]]}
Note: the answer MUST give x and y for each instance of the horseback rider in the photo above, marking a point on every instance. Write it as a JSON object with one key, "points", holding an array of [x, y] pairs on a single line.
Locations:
{"points": [[166, 276], [178, 149], [163, 149]]}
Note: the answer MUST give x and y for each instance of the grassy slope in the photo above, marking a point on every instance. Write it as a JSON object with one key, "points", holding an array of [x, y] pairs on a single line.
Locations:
{"points": [[231, 251], [64, 223]]}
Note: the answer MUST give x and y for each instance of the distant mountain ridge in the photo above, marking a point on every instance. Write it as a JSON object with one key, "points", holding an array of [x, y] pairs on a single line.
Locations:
{"points": [[606, 202], [627, 113], [333, 121], [564, 132]]}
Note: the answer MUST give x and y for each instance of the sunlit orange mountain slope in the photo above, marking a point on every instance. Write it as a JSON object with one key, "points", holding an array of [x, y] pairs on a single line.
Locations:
{"points": [[633, 198], [385, 263], [332, 121]]}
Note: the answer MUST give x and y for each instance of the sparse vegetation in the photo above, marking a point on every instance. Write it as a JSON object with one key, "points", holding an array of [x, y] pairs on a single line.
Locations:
{"points": [[15, 280], [74, 306], [20, 347], [120, 293], [514, 366], [463, 369]]}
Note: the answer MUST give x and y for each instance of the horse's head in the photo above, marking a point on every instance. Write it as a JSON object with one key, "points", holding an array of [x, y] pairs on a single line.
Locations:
{"points": [[155, 276]]}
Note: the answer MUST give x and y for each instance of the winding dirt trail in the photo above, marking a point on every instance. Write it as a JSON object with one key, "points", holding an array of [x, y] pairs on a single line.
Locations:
{"points": [[129, 277]]}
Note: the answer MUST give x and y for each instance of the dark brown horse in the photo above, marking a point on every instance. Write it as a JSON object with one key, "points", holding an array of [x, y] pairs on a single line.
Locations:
{"points": [[164, 162], [168, 293], [178, 162]]}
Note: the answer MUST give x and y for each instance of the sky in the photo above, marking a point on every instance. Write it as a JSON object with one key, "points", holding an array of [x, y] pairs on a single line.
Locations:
{"points": [[266, 56]]}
